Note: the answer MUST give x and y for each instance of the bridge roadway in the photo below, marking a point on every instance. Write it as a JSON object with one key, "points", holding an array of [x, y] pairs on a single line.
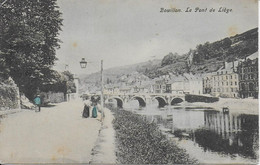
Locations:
{"points": [[144, 98]]}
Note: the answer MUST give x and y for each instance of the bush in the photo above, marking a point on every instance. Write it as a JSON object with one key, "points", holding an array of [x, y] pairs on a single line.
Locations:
{"points": [[139, 142], [8, 97]]}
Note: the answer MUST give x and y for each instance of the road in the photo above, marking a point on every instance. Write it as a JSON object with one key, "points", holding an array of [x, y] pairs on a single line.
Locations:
{"points": [[57, 134]]}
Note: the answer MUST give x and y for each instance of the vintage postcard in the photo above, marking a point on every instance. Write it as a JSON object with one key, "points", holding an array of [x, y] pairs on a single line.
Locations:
{"points": [[129, 82]]}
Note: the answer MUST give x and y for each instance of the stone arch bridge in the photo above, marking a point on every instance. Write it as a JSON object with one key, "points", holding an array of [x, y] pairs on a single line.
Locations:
{"points": [[146, 98]]}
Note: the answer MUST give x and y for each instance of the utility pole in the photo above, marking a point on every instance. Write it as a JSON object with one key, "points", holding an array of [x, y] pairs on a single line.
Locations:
{"points": [[19, 98], [102, 93]]}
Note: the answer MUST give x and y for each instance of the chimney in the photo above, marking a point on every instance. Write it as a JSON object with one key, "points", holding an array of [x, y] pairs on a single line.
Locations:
{"points": [[233, 64]]}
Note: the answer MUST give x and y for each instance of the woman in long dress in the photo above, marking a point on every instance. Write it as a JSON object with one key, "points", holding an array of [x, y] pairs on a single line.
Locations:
{"points": [[94, 112], [86, 111]]}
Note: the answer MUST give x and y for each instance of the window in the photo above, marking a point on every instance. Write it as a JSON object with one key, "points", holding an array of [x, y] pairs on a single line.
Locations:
{"points": [[230, 76], [235, 83], [226, 77], [243, 86], [227, 83], [251, 86], [231, 83]]}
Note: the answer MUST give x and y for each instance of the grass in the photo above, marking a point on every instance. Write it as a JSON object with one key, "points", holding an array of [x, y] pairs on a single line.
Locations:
{"points": [[139, 142]]}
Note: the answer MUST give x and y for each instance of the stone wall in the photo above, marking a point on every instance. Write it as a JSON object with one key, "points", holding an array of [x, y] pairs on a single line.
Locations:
{"points": [[8, 96]]}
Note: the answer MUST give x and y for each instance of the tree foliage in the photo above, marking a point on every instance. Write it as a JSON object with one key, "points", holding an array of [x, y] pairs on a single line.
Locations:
{"points": [[60, 82], [28, 40], [169, 59], [228, 49]]}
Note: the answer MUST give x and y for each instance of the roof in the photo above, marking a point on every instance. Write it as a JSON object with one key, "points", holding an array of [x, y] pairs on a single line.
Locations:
{"points": [[253, 56]]}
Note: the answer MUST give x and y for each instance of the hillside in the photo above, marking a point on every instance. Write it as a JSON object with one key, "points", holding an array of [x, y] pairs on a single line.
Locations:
{"points": [[207, 57], [113, 75]]}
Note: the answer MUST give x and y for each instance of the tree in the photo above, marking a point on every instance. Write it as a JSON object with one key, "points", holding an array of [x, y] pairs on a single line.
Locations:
{"points": [[169, 59], [60, 82], [28, 40]]}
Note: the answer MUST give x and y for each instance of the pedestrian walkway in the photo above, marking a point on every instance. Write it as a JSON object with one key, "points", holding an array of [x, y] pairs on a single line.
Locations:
{"points": [[57, 134], [104, 150], [9, 111]]}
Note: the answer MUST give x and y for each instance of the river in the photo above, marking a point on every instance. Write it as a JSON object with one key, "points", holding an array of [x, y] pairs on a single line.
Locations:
{"points": [[206, 134]]}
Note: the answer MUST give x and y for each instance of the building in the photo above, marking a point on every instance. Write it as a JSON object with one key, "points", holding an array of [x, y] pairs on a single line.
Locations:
{"points": [[177, 85], [160, 86], [225, 81], [194, 84], [126, 90], [248, 78], [207, 84]]}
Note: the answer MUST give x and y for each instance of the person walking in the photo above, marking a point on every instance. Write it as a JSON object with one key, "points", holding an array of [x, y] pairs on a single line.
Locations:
{"points": [[37, 101], [94, 112], [85, 113]]}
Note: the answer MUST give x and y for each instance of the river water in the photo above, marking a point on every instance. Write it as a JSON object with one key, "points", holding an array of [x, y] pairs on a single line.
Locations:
{"points": [[208, 135]]}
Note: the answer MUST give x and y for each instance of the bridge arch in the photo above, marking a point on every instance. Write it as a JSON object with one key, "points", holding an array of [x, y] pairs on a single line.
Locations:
{"points": [[140, 99], [162, 101], [119, 101], [176, 100]]}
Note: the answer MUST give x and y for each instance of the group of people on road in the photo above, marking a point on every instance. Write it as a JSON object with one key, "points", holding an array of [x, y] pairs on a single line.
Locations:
{"points": [[86, 111], [87, 108]]}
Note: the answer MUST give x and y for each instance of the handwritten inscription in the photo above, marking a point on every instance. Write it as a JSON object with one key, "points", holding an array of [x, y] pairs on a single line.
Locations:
{"points": [[163, 10], [197, 10]]}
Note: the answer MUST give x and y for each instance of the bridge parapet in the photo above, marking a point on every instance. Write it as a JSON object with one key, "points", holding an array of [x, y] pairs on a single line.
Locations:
{"points": [[144, 98]]}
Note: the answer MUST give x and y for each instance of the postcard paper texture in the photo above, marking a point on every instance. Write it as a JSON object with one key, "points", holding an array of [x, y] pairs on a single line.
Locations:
{"points": [[129, 82]]}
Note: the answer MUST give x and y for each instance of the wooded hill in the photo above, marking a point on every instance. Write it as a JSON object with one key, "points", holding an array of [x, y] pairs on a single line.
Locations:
{"points": [[207, 57]]}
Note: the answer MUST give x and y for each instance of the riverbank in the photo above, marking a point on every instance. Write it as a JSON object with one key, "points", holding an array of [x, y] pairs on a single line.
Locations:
{"points": [[141, 142], [104, 150], [245, 106]]}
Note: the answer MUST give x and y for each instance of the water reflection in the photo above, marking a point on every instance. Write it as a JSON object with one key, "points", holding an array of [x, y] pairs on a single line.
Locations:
{"points": [[233, 134], [229, 133]]}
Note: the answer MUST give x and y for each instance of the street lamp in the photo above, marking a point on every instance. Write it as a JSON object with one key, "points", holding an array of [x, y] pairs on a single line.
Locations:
{"points": [[83, 64]]}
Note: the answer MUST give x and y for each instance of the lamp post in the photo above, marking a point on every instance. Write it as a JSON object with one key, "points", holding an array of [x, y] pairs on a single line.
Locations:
{"points": [[83, 64]]}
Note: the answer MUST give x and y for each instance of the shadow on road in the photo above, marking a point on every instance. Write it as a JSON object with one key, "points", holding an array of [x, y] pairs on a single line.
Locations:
{"points": [[48, 106]]}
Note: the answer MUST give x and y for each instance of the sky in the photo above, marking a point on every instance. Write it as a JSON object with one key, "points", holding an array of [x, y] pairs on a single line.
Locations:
{"points": [[124, 32]]}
